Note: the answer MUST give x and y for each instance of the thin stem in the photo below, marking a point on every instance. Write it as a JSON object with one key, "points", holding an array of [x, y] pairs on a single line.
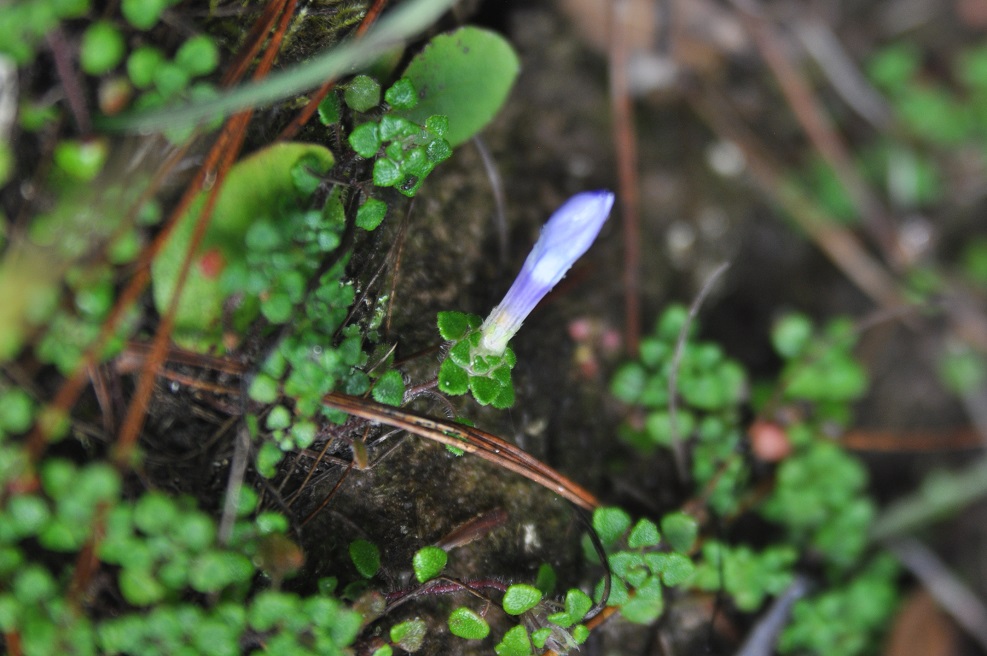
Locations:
{"points": [[625, 139]]}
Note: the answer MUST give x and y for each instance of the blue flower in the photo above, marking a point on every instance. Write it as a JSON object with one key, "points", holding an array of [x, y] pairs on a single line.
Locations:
{"points": [[568, 234]]}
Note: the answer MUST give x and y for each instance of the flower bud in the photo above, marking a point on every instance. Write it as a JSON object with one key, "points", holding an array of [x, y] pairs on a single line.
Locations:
{"points": [[566, 236]]}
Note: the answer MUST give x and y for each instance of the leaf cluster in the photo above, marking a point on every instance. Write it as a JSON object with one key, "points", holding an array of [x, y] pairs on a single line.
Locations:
{"points": [[468, 367], [157, 551], [643, 559]]}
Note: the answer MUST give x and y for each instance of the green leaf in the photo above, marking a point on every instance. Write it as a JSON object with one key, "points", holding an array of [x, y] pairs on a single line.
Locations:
{"points": [[140, 587], [520, 598], [438, 151], [658, 426], [465, 623], [395, 128], [16, 411], [389, 388], [263, 389], [514, 643], [307, 172], [409, 635], [791, 334], [610, 524], [102, 48], [303, 432], [453, 325], [365, 556], [26, 515], [198, 56], [270, 607], [485, 390], [674, 568], [540, 636], [464, 75], [438, 125], [630, 566], [577, 604], [505, 398], [214, 570], [387, 172], [329, 110], [545, 579], [680, 531], [362, 93], [277, 308], [371, 214], [453, 379], [402, 94], [268, 458], [278, 417], [428, 563], [195, 530], [142, 63], [155, 513], [644, 534], [82, 160], [365, 140], [895, 66], [142, 14], [629, 382]]}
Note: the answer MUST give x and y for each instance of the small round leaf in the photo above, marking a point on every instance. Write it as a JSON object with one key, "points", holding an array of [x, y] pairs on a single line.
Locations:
{"points": [[428, 562], [366, 557], [514, 643], [102, 48], [390, 388], [520, 598], [362, 94], [465, 623]]}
